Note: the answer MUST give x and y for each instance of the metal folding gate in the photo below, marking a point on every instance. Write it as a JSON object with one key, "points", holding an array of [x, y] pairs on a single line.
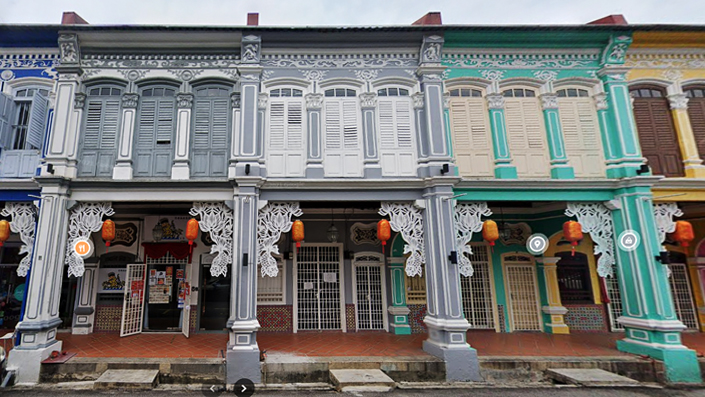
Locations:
{"points": [[682, 295], [319, 287], [614, 307], [523, 295], [477, 291], [133, 304], [368, 291]]}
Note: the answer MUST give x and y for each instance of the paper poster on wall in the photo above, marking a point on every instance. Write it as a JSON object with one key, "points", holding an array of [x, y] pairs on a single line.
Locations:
{"points": [[159, 294], [152, 281], [111, 280], [308, 285], [330, 277], [179, 274]]}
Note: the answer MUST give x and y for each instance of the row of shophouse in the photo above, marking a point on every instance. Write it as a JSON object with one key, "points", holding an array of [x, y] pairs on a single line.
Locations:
{"points": [[435, 128]]}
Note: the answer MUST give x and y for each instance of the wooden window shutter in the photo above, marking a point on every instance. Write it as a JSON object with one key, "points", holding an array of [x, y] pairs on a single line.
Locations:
{"points": [[7, 111], [657, 136], [277, 127], [460, 126], [148, 114], [403, 123], [110, 125], [37, 121], [334, 133], [386, 124], [202, 122], [351, 133], [696, 112], [535, 135], [581, 136], [294, 125], [219, 129], [165, 120]]}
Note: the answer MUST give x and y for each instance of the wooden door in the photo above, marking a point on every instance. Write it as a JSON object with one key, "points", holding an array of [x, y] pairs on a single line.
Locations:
{"points": [[696, 111]]}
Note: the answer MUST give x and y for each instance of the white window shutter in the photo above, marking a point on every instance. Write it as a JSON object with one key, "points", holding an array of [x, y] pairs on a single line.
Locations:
{"points": [[111, 115], [277, 127], [294, 126], [7, 111], [472, 144], [334, 131], [387, 134], [583, 144], [351, 133], [527, 137], [37, 121], [404, 123]]}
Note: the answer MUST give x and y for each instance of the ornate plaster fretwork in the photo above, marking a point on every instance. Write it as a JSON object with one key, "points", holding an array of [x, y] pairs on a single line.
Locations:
{"points": [[184, 100], [495, 101], [23, 219], [79, 100], [678, 101], [418, 100], [129, 100], [133, 74], [262, 100], [253, 77], [368, 100], [546, 75], [185, 74], [7, 75], [86, 218], [235, 100], [267, 74], [549, 101], [232, 73], [468, 221], [11, 60], [68, 49], [314, 101], [89, 73], [522, 60], [431, 49], [686, 59], [616, 50], [406, 219], [273, 220], [492, 75], [364, 233], [600, 101], [314, 74], [160, 61], [596, 220], [366, 74], [250, 49], [318, 61], [672, 75], [217, 220], [664, 214], [446, 101]]}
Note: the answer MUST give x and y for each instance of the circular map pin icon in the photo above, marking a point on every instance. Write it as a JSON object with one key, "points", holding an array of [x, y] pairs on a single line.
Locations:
{"points": [[537, 244]]}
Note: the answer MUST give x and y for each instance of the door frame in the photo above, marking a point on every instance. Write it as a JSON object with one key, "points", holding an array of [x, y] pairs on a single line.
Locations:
{"points": [[493, 290], [295, 290], [383, 281], [532, 265]]}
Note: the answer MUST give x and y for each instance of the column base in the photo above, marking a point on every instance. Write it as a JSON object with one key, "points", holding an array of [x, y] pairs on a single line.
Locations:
{"points": [[505, 172], [180, 172], [681, 364], [373, 172], [557, 323], [562, 173], [242, 364], [28, 362], [315, 171], [122, 171], [447, 341], [695, 171], [399, 320]]}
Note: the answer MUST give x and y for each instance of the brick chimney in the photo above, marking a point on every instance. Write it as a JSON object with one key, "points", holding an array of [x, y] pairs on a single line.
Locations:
{"points": [[71, 18], [431, 18], [614, 19], [253, 19]]}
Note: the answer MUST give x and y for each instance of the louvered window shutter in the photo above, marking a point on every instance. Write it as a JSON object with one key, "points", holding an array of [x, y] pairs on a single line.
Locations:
{"points": [[219, 130], [460, 126], [37, 121], [351, 134], [91, 134], [387, 133], [334, 138], [581, 136], [535, 135], [471, 138], [165, 121], [696, 111], [294, 125], [7, 110], [277, 127], [515, 129], [111, 115], [201, 123], [148, 113], [657, 136], [527, 137], [403, 123]]}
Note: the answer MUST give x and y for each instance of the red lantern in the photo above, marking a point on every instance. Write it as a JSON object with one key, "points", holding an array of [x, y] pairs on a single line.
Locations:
{"points": [[490, 232], [573, 232], [108, 233], [384, 232], [191, 232], [4, 231], [684, 233], [297, 233]]}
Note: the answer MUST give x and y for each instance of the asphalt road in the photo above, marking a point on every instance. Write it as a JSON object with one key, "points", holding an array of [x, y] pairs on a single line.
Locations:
{"points": [[476, 392]]}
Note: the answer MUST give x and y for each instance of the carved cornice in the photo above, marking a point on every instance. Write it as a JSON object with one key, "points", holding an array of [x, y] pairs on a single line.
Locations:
{"points": [[314, 101], [521, 60], [666, 59], [431, 49], [549, 101], [27, 60], [368, 100], [251, 49], [495, 101], [160, 61], [184, 100], [317, 61], [79, 100], [418, 99], [262, 100]]}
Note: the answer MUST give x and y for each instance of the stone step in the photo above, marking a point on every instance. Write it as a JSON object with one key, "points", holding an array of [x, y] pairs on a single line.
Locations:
{"points": [[135, 379], [591, 377], [358, 380]]}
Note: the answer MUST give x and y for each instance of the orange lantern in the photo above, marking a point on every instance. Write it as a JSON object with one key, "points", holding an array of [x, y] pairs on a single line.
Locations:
{"points": [[384, 232], [490, 232], [297, 232], [108, 232], [4, 231], [573, 232], [191, 231], [684, 233]]}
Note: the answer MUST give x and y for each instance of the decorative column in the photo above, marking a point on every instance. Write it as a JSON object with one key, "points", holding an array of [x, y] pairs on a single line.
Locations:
{"points": [[123, 165], [398, 312], [248, 140], [41, 317], [560, 169], [84, 313], [602, 119], [553, 308], [504, 169], [314, 158], [180, 168], [368, 103], [236, 124], [420, 119], [73, 134], [692, 162]]}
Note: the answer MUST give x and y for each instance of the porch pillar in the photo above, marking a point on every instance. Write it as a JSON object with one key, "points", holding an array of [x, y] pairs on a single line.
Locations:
{"points": [[649, 317], [41, 317], [692, 163], [398, 312], [560, 168], [447, 326], [504, 169], [553, 307], [180, 169], [84, 313]]}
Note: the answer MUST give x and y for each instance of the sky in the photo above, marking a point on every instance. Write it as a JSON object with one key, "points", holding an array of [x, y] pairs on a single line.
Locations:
{"points": [[351, 12]]}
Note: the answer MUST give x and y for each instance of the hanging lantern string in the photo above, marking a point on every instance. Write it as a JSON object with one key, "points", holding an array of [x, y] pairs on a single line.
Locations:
{"points": [[384, 232]]}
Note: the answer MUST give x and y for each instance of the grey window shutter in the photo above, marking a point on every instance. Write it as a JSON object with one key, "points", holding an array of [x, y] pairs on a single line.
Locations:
{"points": [[91, 134], [37, 121], [165, 121], [148, 113], [219, 129], [110, 125], [7, 111], [202, 124]]}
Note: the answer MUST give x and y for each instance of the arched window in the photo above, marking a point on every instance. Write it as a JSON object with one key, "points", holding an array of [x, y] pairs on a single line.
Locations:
{"points": [[526, 132], [100, 131], [696, 111], [342, 137], [211, 131], [574, 281], [23, 127], [581, 132], [470, 130], [657, 134], [395, 119], [155, 132], [286, 133]]}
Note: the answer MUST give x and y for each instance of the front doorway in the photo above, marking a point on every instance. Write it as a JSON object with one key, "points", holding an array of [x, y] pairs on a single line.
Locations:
{"points": [[214, 297], [369, 291], [479, 304], [318, 277], [522, 292], [162, 306]]}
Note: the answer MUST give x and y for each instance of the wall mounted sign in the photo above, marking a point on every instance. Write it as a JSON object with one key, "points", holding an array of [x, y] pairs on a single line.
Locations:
{"points": [[111, 280], [171, 227], [125, 234]]}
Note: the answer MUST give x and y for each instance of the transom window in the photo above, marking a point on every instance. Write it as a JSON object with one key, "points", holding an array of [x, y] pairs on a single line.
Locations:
{"points": [[340, 92], [695, 93], [572, 93], [212, 92], [466, 92], [519, 93], [159, 92], [646, 93], [105, 91], [287, 92], [392, 92], [29, 92]]}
